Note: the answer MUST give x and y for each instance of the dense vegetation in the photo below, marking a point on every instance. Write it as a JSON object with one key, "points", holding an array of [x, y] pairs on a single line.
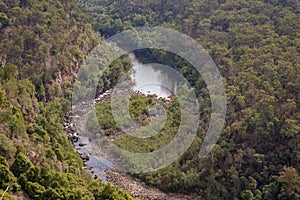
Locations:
{"points": [[42, 45], [140, 110], [255, 45], [138, 106]]}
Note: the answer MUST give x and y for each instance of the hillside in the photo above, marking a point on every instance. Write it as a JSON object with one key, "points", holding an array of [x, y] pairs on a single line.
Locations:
{"points": [[42, 45], [255, 45]]}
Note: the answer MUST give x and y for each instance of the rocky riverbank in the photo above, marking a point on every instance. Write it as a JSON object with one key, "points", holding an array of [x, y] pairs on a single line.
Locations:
{"points": [[101, 168], [140, 190], [73, 125]]}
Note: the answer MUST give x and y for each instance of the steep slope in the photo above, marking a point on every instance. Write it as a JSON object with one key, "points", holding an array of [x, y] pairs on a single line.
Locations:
{"points": [[42, 45]]}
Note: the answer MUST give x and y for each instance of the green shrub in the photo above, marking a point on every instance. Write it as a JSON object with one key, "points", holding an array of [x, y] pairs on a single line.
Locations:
{"points": [[7, 148], [7, 178], [35, 190], [33, 174], [6, 196], [21, 164], [3, 161]]}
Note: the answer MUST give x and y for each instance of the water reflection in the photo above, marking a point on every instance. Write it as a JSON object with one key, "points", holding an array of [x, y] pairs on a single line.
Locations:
{"points": [[147, 78], [153, 78]]}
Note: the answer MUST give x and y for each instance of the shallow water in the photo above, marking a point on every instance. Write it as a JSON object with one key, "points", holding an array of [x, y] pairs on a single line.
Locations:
{"points": [[148, 79]]}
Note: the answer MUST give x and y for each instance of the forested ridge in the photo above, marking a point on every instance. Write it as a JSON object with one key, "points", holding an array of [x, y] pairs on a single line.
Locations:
{"points": [[255, 45], [42, 46]]}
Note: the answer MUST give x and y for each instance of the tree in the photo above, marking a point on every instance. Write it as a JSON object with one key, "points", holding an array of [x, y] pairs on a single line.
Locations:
{"points": [[52, 194], [3, 161], [7, 178], [21, 164], [33, 174], [35, 190], [96, 187], [271, 191], [289, 180], [247, 195], [5, 195], [111, 192], [7, 148], [3, 19], [8, 72]]}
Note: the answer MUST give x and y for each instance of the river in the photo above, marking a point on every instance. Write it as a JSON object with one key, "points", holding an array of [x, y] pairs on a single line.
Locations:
{"points": [[153, 78], [148, 79]]}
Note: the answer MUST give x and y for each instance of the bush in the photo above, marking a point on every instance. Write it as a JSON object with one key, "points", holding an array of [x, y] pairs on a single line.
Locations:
{"points": [[111, 192], [96, 187], [33, 174], [7, 178], [35, 190], [52, 194], [6, 195], [7, 148], [21, 164], [3, 161]]}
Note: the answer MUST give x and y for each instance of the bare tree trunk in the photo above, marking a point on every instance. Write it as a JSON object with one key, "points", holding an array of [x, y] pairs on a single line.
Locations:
{"points": [[4, 193]]}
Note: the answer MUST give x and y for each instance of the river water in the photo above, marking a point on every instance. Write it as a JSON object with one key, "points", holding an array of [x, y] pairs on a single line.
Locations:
{"points": [[153, 78], [148, 79]]}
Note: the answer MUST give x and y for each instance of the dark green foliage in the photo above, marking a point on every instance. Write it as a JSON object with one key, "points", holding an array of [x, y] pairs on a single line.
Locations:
{"points": [[7, 178], [3, 161], [111, 193], [21, 164], [138, 109], [6, 196], [139, 106], [35, 190], [43, 43], [255, 45], [247, 195], [105, 118], [8, 72], [33, 174], [7, 148], [96, 187], [51, 185]]}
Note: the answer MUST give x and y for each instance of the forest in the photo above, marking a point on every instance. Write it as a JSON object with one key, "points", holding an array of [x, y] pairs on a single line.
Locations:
{"points": [[255, 45], [42, 45]]}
